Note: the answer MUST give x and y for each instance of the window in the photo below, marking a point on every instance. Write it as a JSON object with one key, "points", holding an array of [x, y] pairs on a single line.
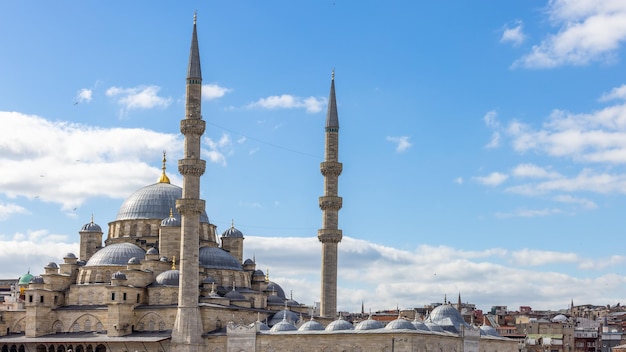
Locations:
{"points": [[112, 296]]}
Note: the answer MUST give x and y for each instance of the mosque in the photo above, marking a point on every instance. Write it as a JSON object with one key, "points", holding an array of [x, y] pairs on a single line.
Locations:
{"points": [[163, 280]]}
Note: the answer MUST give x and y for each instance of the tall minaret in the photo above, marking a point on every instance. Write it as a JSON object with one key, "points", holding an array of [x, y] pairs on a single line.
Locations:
{"points": [[187, 330], [330, 203]]}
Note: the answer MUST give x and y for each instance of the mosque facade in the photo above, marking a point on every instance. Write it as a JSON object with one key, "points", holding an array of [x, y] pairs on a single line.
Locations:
{"points": [[161, 280]]}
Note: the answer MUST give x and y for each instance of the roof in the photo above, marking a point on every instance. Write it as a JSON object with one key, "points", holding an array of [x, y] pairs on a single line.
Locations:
{"points": [[88, 337], [332, 118]]}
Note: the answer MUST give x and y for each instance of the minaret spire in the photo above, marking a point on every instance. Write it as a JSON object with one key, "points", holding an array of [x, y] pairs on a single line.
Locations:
{"points": [[187, 330], [330, 235]]}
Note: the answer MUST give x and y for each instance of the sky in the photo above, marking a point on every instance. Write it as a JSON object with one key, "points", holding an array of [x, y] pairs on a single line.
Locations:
{"points": [[483, 143]]}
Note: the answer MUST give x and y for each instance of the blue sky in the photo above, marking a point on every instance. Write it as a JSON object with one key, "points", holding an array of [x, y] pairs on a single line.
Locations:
{"points": [[483, 143]]}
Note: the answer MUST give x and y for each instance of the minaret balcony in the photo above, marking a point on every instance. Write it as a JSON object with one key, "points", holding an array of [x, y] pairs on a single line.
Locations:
{"points": [[191, 167], [192, 126], [329, 235], [330, 203], [331, 168]]}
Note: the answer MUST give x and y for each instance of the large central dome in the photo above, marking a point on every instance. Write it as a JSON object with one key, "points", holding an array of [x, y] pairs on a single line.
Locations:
{"points": [[153, 202]]}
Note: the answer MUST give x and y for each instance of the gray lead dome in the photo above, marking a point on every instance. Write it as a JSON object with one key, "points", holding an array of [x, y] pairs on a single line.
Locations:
{"points": [[217, 258], [116, 254], [153, 202]]}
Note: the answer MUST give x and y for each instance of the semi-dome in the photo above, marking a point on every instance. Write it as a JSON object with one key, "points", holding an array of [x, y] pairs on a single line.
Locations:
{"points": [[400, 324], [369, 324], [274, 287], [217, 258], [116, 254], [232, 232], [448, 318], [311, 325], [25, 279], [339, 324], [91, 227], [153, 202], [168, 278]]}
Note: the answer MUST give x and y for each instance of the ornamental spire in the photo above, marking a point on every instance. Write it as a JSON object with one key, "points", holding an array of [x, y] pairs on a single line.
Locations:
{"points": [[332, 119], [193, 70], [164, 178]]}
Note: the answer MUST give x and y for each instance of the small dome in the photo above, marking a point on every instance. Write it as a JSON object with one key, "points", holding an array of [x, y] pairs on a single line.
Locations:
{"points": [[284, 314], [283, 326], [369, 324], [118, 275], [51, 265], [339, 324], [91, 227], [116, 254], [133, 261], [164, 259], [152, 250], [232, 232], [559, 319], [36, 280], [233, 295], [170, 222], [25, 279], [274, 287], [168, 278], [262, 326], [248, 262], [311, 325], [258, 273], [448, 318], [400, 324], [81, 262], [217, 258], [69, 256], [208, 280], [489, 331]]}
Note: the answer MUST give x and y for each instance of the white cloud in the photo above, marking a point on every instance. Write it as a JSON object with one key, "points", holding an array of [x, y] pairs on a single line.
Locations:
{"points": [[529, 213], [213, 91], [616, 93], [566, 198], [287, 101], [218, 149], [402, 143], [6, 210], [493, 179], [459, 180], [141, 97], [84, 96], [383, 277], [32, 169], [586, 181], [587, 31], [533, 171], [495, 140], [491, 121], [514, 35]]}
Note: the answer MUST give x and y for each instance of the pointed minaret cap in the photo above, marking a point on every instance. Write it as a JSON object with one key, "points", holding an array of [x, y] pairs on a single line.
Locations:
{"points": [[194, 71], [332, 118], [164, 178]]}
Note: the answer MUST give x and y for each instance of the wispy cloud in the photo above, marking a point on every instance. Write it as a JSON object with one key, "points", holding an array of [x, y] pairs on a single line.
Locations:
{"points": [[287, 101], [218, 149], [586, 31], [213, 91], [402, 143], [7, 210], [84, 96], [493, 179], [141, 97], [533, 171], [491, 121], [513, 34], [529, 213]]}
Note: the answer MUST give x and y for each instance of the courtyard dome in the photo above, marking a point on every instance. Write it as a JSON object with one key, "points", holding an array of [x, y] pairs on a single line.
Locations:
{"points": [[153, 202], [311, 325], [369, 324], [284, 325], [284, 314], [217, 258], [339, 324], [400, 324], [168, 278], [116, 254], [448, 318], [489, 331]]}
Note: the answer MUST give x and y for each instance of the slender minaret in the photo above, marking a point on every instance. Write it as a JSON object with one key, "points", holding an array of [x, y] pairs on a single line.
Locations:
{"points": [[330, 203], [187, 330]]}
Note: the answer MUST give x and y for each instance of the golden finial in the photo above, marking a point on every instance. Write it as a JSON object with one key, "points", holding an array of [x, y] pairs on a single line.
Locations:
{"points": [[171, 213], [173, 262], [267, 275], [195, 16], [164, 178]]}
